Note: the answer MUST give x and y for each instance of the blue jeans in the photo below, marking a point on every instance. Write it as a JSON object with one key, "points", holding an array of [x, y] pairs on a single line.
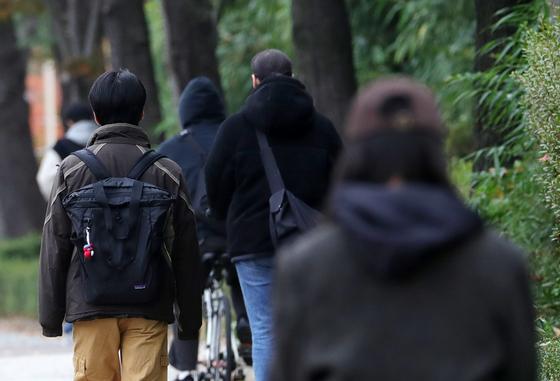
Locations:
{"points": [[255, 277]]}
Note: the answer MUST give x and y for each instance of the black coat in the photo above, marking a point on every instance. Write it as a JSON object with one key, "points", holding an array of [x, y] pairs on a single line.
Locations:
{"points": [[305, 145], [201, 111], [404, 284]]}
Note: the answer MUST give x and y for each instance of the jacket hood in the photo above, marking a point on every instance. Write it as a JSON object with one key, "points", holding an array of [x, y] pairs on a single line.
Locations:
{"points": [[120, 133], [81, 131], [200, 102], [280, 106], [401, 228]]}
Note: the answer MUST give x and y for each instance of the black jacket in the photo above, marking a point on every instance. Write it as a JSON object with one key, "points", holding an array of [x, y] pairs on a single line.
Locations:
{"points": [[404, 284], [304, 143], [201, 111], [61, 286]]}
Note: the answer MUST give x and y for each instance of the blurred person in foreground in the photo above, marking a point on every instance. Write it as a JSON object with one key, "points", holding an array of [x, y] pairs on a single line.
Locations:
{"points": [[404, 282], [140, 255], [201, 111], [77, 117], [305, 145]]}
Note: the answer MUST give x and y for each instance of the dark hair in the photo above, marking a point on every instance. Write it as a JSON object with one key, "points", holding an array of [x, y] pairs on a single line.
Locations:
{"points": [[117, 97], [415, 156], [76, 111], [271, 62]]}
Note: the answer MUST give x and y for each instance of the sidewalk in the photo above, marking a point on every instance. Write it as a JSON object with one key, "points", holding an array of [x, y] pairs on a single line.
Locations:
{"points": [[25, 355]]}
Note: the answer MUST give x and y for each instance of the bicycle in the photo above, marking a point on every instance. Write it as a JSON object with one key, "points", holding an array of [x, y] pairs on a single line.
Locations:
{"points": [[221, 355]]}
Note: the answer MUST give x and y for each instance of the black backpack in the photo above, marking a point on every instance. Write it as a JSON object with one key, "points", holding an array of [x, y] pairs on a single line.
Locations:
{"points": [[289, 216], [117, 227]]}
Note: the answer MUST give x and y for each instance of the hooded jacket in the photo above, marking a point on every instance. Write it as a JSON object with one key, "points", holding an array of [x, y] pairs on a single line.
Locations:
{"points": [[201, 110], [305, 145], [118, 147], [75, 138], [402, 284]]}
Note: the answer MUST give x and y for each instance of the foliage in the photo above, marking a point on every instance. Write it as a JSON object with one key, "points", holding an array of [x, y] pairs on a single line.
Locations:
{"points": [[549, 356], [247, 27], [431, 40], [18, 275], [169, 124], [26, 247], [18, 287], [497, 93], [509, 199], [548, 351], [541, 82]]}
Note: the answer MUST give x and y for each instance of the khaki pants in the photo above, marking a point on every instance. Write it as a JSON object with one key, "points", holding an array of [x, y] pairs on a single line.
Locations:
{"points": [[142, 344]]}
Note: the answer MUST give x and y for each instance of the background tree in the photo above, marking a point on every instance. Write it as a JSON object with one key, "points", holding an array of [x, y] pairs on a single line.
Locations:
{"points": [[323, 45], [75, 26], [192, 38], [489, 42], [124, 25], [21, 205]]}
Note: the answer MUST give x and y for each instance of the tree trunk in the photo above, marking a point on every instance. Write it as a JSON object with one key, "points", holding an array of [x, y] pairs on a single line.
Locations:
{"points": [[323, 45], [78, 46], [21, 205], [485, 20], [554, 8], [192, 38], [124, 24]]}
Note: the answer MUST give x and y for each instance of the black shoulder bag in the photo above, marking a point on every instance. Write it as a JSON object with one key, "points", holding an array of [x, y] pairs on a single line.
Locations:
{"points": [[289, 216]]}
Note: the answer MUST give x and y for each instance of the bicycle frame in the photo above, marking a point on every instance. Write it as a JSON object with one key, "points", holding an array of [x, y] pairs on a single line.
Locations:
{"points": [[220, 354], [213, 297]]}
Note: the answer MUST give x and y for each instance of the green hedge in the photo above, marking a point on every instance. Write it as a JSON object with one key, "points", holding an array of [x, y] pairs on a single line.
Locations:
{"points": [[19, 262], [26, 247], [549, 356], [18, 287], [541, 83]]}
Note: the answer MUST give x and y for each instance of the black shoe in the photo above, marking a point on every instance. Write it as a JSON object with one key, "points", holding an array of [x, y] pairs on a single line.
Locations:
{"points": [[243, 331], [245, 348]]}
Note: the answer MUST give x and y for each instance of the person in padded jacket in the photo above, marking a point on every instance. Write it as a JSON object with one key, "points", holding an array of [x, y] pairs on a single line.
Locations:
{"points": [[305, 145], [404, 282], [119, 341]]}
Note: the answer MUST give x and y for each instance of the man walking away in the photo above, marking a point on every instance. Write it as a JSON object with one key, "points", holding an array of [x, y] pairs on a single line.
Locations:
{"points": [[404, 282], [119, 245], [79, 120], [201, 110], [305, 145]]}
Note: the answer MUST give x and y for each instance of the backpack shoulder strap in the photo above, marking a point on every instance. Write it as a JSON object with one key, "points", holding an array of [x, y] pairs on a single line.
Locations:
{"points": [[93, 163], [273, 175], [145, 162]]}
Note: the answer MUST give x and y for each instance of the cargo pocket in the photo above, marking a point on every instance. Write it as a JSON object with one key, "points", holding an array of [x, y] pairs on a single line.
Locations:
{"points": [[79, 368]]}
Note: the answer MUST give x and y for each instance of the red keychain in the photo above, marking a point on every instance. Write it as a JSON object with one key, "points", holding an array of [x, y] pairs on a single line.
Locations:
{"points": [[88, 247]]}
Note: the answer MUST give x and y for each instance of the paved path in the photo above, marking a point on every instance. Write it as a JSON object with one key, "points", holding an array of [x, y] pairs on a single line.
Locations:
{"points": [[25, 355]]}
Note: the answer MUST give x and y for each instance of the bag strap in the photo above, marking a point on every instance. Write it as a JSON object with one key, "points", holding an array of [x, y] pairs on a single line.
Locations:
{"points": [[145, 162], [273, 175], [93, 163], [188, 134], [200, 190]]}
